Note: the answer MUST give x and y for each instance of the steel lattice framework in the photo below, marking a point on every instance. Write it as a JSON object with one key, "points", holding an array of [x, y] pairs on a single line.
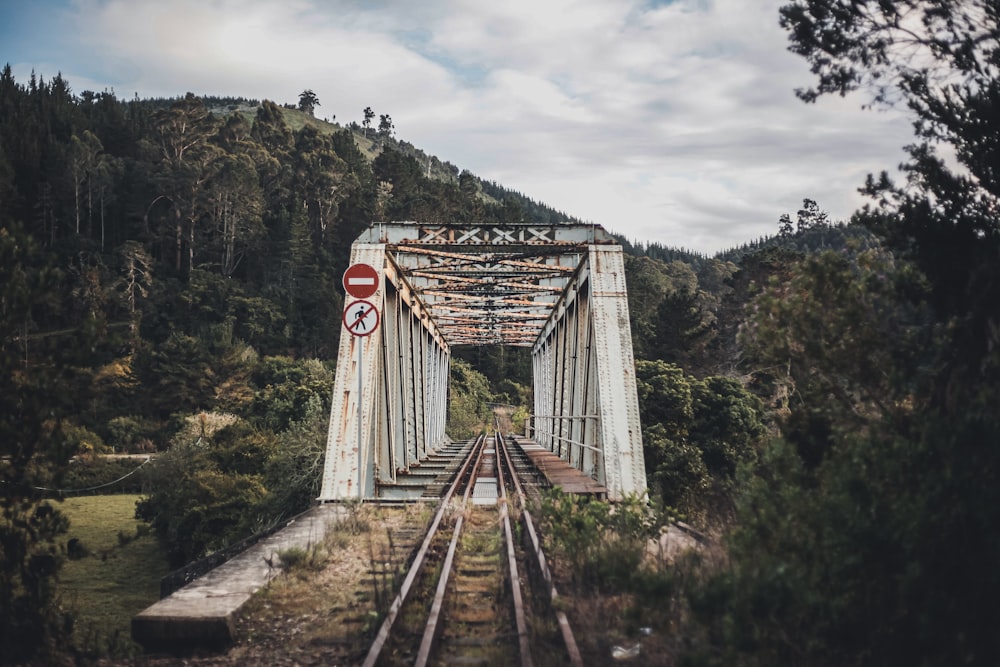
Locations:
{"points": [[557, 288]]}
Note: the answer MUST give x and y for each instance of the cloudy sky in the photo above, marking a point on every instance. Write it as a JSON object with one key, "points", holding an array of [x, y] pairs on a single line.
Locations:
{"points": [[667, 121]]}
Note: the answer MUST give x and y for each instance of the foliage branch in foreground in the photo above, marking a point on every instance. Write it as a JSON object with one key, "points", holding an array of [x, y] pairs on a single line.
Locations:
{"points": [[867, 534]]}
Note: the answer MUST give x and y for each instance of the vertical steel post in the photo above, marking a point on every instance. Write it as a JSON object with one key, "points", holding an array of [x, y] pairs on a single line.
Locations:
{"points": [[361, 345]]}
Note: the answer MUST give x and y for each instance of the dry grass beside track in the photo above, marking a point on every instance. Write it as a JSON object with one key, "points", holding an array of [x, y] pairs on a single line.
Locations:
{"points": [[322, 611]]}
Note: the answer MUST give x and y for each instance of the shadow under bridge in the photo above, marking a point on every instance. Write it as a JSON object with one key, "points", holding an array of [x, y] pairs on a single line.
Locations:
{"points": [[559, 289]]}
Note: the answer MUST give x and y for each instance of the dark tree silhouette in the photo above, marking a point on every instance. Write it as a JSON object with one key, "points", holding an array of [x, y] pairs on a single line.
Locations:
{"points": [[308, 101], [369, 117]]}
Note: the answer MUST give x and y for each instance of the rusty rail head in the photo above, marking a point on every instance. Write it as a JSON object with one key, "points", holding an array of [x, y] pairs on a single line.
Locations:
{"points": [[383, 633], [432, 627], [466, 476], [572, 650], [520, 618]]}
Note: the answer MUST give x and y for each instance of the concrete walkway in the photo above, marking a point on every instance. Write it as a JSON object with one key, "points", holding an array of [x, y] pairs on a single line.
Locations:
{"points": [[202, 613]]}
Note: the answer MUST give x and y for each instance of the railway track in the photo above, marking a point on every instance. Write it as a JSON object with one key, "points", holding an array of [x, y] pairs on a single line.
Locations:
{"points": [[467, 598]]}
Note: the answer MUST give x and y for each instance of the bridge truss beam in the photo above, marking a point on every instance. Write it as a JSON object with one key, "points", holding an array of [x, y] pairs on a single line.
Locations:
{"points": [[585, 399], [401, 384]]}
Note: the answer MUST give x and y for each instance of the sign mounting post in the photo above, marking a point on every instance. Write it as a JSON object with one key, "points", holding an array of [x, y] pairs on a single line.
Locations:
{"points": [[361, 319]]}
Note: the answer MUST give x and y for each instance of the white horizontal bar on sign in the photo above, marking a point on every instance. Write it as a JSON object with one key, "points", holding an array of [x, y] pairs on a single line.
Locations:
{"points": [[361, 281]]}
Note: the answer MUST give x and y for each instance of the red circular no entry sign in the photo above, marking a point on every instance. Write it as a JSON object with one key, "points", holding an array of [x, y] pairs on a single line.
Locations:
{"points": [[360, 280]]}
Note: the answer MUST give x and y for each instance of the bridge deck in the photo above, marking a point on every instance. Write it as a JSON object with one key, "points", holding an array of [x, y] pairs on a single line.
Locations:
{"points": [[558, 472]]}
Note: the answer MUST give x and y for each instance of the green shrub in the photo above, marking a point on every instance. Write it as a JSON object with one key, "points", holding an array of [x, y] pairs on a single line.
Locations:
{"points": [[130, 434], [468, 406], [83, 441], [600, 543], [104, 475], [285, 387], [696, 433], [194, 506], [313, 557]]}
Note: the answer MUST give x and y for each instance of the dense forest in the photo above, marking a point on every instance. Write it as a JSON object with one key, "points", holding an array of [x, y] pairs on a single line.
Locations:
{"points": [[822, 401], [171, 283]]}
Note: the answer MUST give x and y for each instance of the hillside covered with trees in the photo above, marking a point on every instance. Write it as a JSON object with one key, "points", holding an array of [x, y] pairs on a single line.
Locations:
{"points": [[822, 402], [170, 274]]}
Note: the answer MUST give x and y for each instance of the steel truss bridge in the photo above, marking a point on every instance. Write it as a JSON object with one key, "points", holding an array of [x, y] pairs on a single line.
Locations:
{"points": [[559, 289]]}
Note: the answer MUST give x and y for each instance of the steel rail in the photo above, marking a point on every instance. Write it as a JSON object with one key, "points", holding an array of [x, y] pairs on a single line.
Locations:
{"points": [[433, 618], [572, 650], [520, 622], [467, 475], [384, 631]]}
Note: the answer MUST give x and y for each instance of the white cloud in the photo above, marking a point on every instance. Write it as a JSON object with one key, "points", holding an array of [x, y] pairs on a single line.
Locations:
{"points": [[674, 123]]}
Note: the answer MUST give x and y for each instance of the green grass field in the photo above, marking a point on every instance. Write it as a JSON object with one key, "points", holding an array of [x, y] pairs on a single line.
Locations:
{"points": [[117, 578]]}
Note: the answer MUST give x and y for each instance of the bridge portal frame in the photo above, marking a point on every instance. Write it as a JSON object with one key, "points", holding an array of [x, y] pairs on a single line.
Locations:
{"points": [[558, 288]]}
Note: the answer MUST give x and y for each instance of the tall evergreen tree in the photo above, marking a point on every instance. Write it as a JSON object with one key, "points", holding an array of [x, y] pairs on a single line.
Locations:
{"points": [[184, 160], [308, 101], [35, 396]]}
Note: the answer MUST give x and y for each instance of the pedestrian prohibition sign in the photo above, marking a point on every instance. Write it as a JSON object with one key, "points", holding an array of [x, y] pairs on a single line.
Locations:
{"points": [[361, 318]]}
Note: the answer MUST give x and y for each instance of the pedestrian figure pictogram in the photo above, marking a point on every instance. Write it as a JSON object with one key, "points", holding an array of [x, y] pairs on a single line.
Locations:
{"points": [[361, 318]]}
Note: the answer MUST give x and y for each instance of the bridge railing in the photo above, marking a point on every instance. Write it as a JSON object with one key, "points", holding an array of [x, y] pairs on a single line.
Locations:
{"points": [[550, 433]]}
